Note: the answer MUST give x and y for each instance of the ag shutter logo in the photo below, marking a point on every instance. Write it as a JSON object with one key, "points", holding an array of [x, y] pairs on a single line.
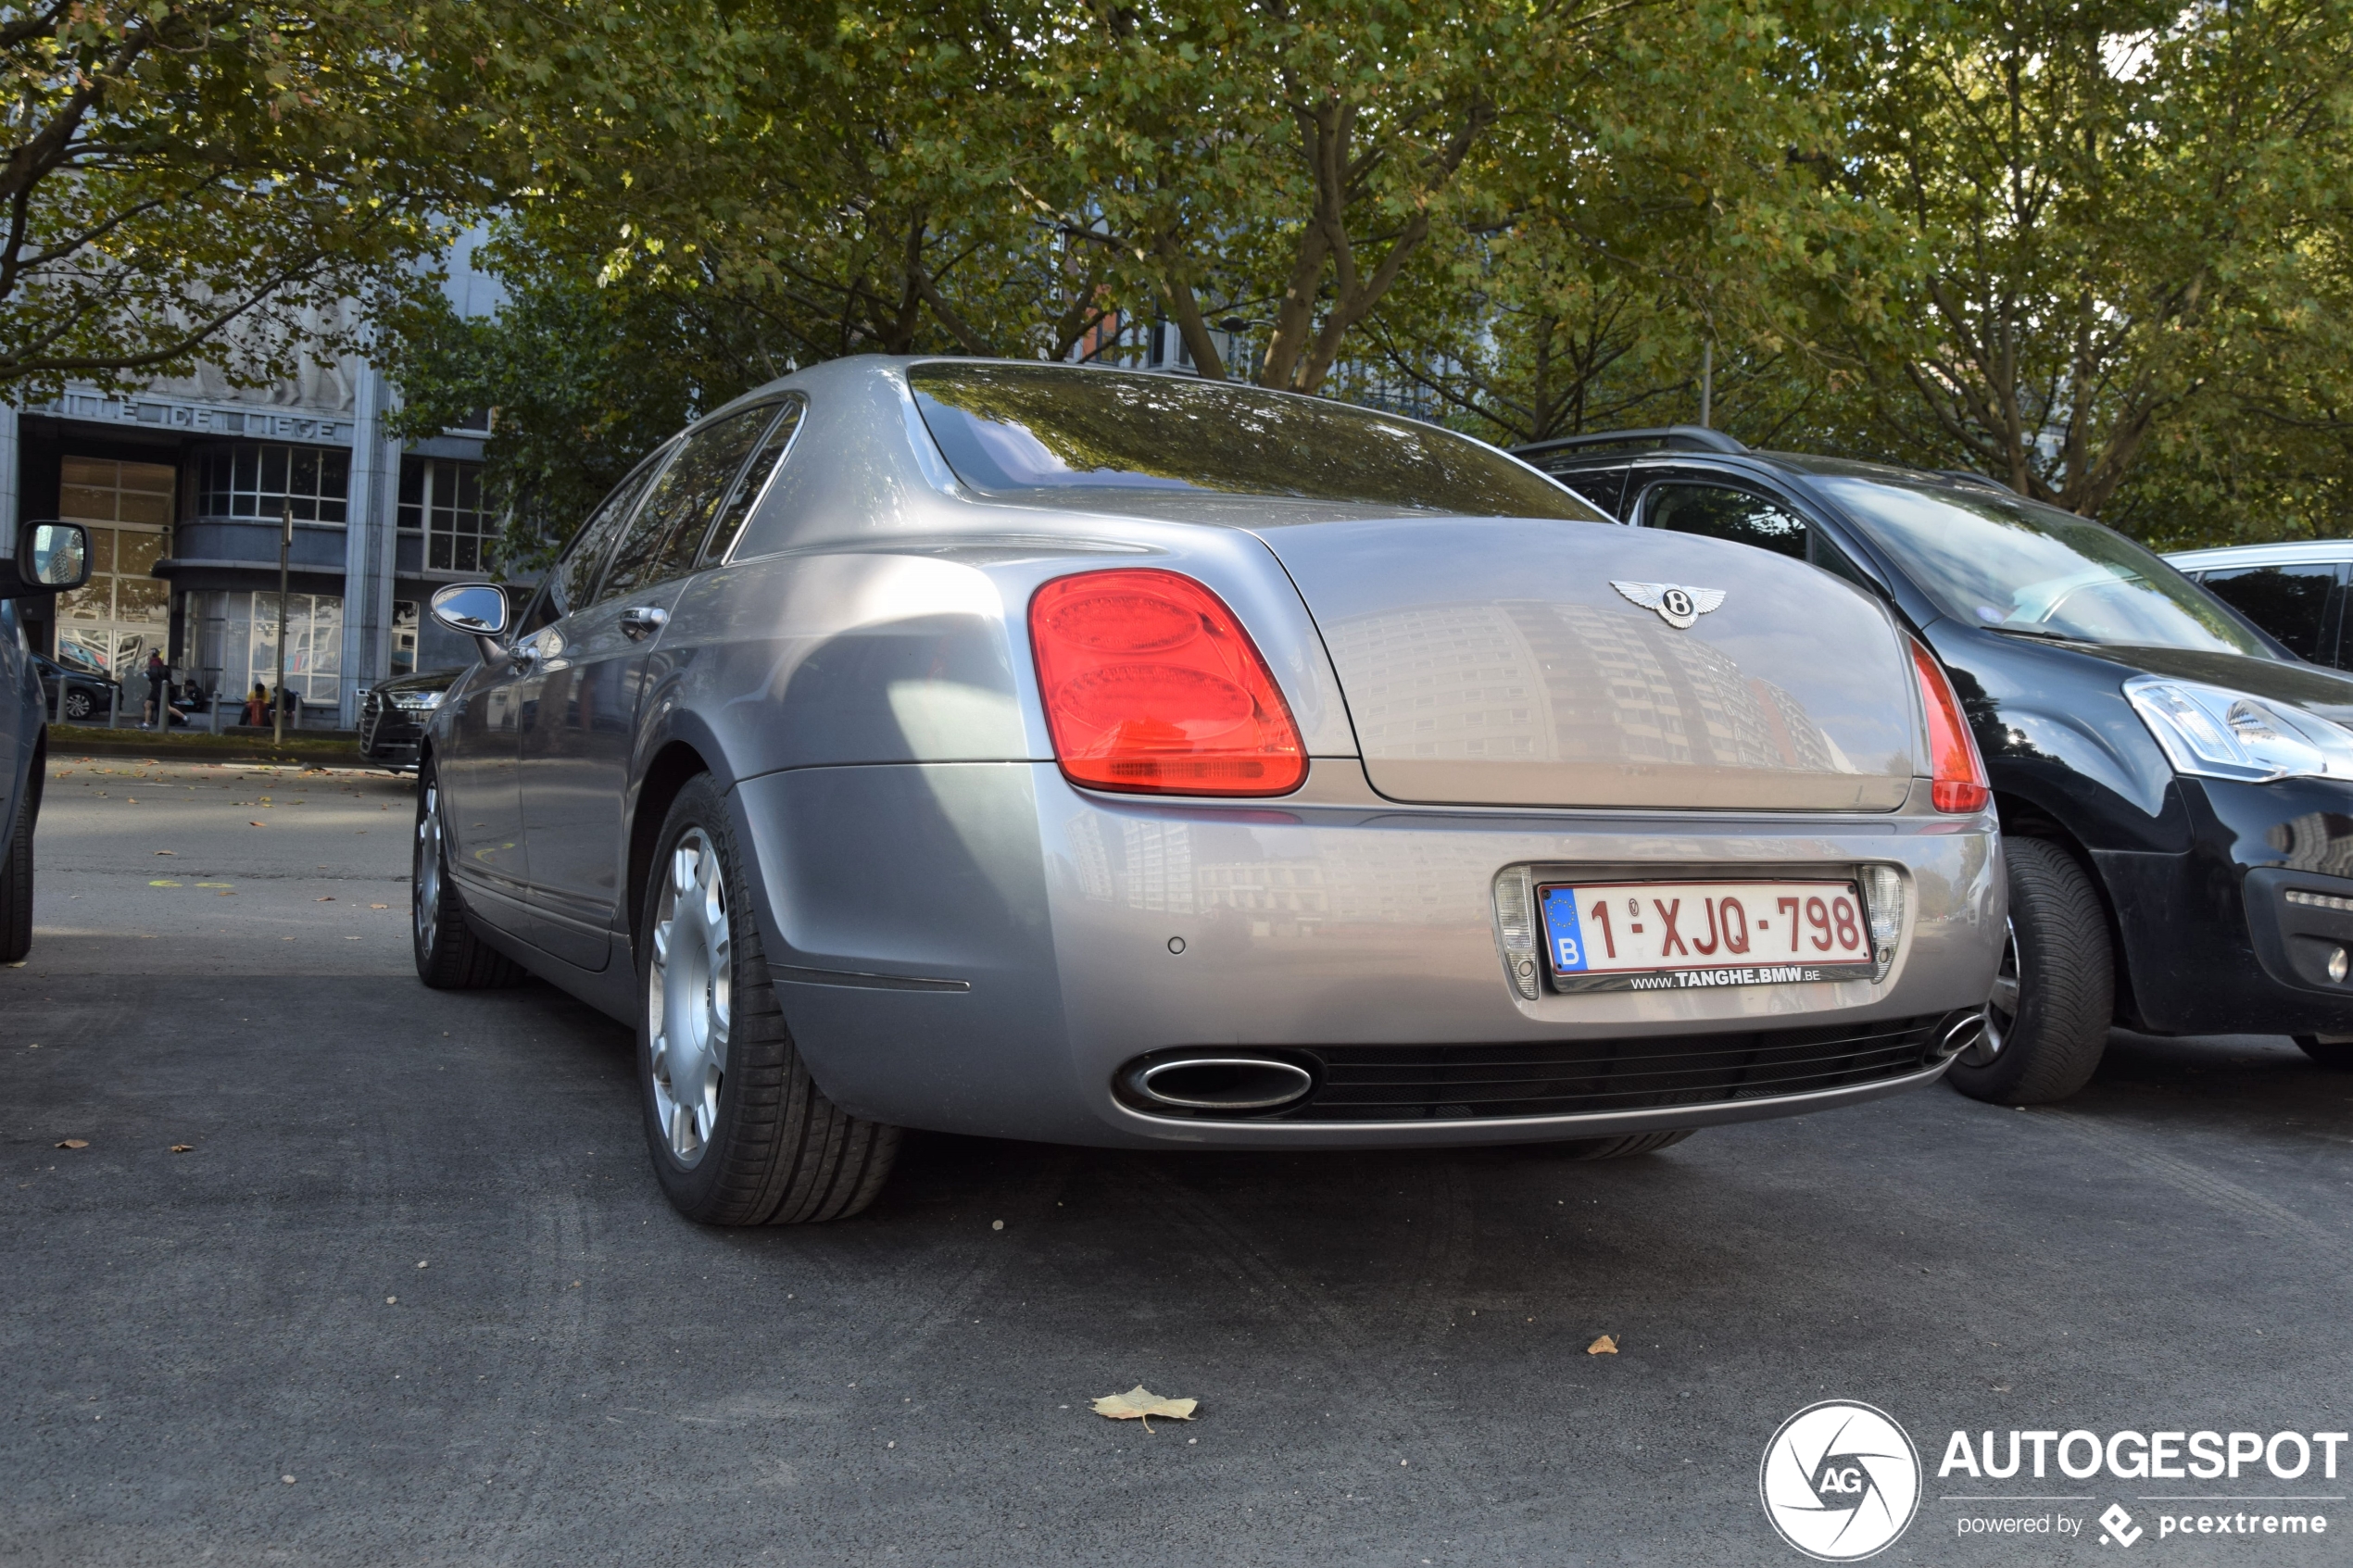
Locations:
{"points": [[1840, 1480]]}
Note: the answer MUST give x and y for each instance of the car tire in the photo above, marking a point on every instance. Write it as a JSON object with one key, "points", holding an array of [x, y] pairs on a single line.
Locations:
{"points": [[15, 887], [79, 704], [1623, 1148], [2330, 1050], [449, 956], [739, 1132], [2047, 1023]]}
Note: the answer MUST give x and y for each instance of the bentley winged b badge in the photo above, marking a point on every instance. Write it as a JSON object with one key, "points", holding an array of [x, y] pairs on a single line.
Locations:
{"points": [[1679, 607]]}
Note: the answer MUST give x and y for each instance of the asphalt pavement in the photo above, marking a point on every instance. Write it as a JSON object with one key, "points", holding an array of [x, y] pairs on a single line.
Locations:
{"points": [[352, 1271]]}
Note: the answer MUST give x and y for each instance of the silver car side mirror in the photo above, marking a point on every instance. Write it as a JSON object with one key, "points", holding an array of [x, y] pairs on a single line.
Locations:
{"points": [[50, 558], [478, 609]]}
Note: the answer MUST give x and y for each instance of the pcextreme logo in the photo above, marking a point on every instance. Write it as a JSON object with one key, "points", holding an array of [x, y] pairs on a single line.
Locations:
{"points": [[1840, 1480]]}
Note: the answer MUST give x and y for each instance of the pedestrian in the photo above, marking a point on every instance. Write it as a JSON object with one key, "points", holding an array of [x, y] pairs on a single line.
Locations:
{"points": [[158, 691], [258, 707]]}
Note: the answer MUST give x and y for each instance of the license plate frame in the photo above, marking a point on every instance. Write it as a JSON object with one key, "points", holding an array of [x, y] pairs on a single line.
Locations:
{"points": [[1705, 969]]}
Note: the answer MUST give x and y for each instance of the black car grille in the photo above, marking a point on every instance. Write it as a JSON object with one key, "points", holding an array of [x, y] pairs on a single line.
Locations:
{"points": [[1467, 1082], [384, 725]]}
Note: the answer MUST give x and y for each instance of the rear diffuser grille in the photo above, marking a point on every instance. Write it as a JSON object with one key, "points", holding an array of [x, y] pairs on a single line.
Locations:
{"points": [[1468, 1082]]}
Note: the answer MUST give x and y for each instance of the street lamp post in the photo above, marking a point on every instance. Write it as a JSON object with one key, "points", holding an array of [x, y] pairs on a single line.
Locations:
{"points": [[278, 693]]}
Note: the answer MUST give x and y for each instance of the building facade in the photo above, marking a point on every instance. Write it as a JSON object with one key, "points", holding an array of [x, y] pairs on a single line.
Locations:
{"points": [[185, 486]]}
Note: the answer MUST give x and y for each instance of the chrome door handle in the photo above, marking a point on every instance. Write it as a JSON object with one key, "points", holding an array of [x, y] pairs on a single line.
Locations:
{"points": [[641, 621]]}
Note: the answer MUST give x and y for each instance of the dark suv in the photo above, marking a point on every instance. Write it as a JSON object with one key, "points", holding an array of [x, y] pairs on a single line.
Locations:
{"points": [[2176, 786], [49, 556]]}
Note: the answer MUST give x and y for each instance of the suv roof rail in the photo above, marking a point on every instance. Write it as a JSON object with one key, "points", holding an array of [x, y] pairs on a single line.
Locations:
{"points": [[1665, 438]]}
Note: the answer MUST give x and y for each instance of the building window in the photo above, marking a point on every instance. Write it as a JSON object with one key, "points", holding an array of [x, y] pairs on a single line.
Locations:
{"points": [[251, 479], [236, 643], [124, 611], [443, 498]]}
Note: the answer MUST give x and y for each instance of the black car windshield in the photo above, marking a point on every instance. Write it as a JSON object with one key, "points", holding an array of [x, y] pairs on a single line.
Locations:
{"points": [[2014, 565], [1016, 428]]}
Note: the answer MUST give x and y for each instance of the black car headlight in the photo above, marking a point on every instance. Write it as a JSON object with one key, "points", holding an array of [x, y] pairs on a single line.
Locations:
{"points": [[417, 702], [2215, 733]]}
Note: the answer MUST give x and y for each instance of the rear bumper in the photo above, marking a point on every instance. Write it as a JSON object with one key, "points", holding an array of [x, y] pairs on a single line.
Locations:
{"points": [[979, 947]]}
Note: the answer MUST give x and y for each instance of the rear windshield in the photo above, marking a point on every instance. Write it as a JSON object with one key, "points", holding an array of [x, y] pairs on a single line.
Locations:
{"points": [[1007, 429], [2013, 565]]}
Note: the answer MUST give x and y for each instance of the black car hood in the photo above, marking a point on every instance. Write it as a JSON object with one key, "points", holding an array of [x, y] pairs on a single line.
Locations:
{"points": [[424, 680], [2327, 692]]}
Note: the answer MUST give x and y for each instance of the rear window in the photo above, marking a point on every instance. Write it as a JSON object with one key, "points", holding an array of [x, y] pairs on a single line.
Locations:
{"points": [[1010, 429]]}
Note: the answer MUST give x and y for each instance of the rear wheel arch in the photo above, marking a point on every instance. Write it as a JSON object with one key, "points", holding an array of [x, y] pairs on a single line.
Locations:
{"points": [[668, 773]]}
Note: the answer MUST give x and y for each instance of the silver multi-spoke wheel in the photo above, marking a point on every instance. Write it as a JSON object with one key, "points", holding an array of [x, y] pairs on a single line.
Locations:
{"points": [[2001, 1008], [425, 892], [687, 1005]]}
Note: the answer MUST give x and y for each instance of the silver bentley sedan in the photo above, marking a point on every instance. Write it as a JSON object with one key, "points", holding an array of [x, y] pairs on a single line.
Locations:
{"points": [[1045, 752]]}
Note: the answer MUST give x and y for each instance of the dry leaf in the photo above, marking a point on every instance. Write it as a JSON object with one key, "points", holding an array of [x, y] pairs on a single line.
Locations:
{"points": [[253, 824], [73, 1143], [1604, 1346], [328, 899], [183, 1148], [1139, 1402], [380, 906], [173, 852]]}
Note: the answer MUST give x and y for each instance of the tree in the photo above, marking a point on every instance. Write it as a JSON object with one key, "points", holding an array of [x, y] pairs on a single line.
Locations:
{"points": [[185, 179], [2113, 212]]}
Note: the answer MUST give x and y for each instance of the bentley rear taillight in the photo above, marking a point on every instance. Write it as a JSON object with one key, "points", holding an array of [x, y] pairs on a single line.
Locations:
{"points": [[1151, 686], [1959, 773]]}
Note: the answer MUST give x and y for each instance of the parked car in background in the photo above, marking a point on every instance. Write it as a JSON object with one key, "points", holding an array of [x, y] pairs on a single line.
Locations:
{"points": [[47, 558], [393, 716], [2294, 591], [2175, 788], [1044, 752], [87, 691]]}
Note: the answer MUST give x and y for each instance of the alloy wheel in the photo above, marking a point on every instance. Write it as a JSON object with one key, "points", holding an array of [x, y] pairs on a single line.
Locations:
{"points": [[2001, 1008], [687, 1000], [426, 875]]}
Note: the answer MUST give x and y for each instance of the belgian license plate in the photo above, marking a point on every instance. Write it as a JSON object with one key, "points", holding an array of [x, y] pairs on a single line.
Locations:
{"points": [[1681, 935]]}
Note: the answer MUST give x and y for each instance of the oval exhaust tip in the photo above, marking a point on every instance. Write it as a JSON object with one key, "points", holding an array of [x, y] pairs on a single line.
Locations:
{"points": [[1222, 1083], [1959, 1035]]}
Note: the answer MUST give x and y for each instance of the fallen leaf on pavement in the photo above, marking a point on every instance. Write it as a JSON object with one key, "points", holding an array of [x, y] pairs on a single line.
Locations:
{"points": [[329, 899], [173, 852], [253, 824], [163, 883], [73, 1143], [183, 1148], [1604, 1346], [1139, 1402], [380, 906]]}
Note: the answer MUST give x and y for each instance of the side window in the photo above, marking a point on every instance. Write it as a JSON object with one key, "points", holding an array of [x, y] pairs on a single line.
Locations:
{"points": [[668, 533], [1721, 512], [1605, 487], [765, 458], [2293, 603], [574, 574]]}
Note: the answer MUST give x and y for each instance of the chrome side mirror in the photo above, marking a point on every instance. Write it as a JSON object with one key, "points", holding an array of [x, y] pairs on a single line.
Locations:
{"points": [[50, 558], [478, 609]]}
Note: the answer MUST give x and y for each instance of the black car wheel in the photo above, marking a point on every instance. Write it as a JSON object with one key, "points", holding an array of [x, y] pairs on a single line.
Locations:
{"points": [[80, 703], [2329, 1051], [740, 1133], [2046, 1022], [449, 956], [15, 888]]}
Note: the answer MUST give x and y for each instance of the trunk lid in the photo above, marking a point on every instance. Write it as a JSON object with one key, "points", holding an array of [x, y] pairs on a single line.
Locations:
{"points": [[1490, 662]]}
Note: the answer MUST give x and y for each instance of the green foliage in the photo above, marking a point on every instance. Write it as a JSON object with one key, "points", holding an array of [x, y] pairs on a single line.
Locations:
{"points": [[205, 180]]}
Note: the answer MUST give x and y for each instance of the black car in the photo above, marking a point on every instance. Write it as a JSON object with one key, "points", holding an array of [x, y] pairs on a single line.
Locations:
{"points": [[47, 557], [2176, 786], [392, 715], [87, 692]]}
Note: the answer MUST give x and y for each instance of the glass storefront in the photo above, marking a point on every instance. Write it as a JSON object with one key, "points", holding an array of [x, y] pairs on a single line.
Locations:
{"points": [[110, 622], [235, 640]]}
